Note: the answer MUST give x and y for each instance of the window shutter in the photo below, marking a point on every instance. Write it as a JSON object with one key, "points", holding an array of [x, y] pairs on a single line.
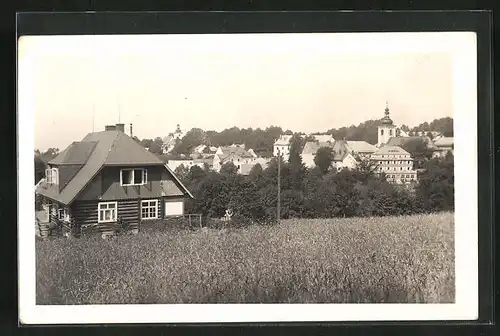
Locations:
{"points": [[55, 176]]}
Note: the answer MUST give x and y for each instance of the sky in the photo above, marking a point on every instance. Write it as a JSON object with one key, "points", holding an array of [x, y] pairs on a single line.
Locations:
{"points": [[302, 82]]}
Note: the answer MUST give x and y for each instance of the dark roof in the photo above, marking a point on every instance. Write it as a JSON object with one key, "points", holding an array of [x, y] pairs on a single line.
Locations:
{"points": [[228, 151], [122, 149], [401, 141], [111, 148], [76, 154]]}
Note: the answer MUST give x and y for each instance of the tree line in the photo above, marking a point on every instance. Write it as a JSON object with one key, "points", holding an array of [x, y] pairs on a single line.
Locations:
{"points": [[367, 131], [262, 140], [317, 192]]}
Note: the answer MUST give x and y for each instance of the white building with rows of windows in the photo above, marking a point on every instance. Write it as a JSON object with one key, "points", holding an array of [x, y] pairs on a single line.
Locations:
{"points": [[395, 163]]}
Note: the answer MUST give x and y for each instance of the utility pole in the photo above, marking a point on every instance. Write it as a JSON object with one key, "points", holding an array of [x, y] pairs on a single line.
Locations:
{"points": [[278, 210]]}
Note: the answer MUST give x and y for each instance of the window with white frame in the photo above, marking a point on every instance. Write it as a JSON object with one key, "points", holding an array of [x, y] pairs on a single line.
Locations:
{"points": [[149, 209], [130, 177], [62, 214], [52, 176], [107, 212]]}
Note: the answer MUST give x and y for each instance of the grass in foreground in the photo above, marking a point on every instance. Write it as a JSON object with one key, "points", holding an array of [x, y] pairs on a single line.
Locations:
{"points": [[399, 259]]}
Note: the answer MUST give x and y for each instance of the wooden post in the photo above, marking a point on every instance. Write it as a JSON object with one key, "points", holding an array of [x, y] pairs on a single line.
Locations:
{"points": [[278, 210], [162, 207], [139, 214]]}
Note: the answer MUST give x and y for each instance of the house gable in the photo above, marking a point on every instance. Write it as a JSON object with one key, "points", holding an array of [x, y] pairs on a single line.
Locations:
{"points": [[106, 185]]}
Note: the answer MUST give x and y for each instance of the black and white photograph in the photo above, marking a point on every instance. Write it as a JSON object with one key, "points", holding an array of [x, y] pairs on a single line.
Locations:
{"points": [[215, 176]]}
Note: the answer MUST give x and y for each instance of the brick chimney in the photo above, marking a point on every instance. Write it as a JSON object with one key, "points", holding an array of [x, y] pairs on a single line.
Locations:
{"points": [[120, 127], [110, 128], [131, 134]]}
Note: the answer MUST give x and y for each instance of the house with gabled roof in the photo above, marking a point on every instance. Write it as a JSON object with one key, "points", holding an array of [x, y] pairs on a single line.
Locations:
{"points": [[443, 146], [342, 156], [361, 149], [237, 154], [108, 178], [309, 151], [282, 145]]}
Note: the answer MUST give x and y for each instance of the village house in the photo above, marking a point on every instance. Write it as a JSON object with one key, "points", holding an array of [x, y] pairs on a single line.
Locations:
{"points": [[343, 157], [237, 154], [346, 153], [282, 146], [360, 149], [200, 160], [310, 149], [198, 149], [247, 167], [443, 146], [175, 163], [107, 179], [204, 160], [395, 163], [434, 134]]}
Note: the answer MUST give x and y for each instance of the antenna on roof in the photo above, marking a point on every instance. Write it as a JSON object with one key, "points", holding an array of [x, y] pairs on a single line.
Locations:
{"points": [[119, 108]]}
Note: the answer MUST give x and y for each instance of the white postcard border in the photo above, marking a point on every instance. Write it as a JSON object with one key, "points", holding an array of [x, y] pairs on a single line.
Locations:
{"points": [[463, 47]]}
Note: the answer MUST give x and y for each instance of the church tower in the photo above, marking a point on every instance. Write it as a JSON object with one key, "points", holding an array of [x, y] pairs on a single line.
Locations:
{"points": [[386, 129]]}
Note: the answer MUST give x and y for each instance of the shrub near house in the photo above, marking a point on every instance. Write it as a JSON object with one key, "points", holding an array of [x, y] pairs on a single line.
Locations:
{"points": [[106, 179]]}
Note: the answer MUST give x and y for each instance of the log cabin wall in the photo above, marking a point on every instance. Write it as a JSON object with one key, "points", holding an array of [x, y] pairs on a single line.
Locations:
{"points": [[129, 213], [85, 215]]}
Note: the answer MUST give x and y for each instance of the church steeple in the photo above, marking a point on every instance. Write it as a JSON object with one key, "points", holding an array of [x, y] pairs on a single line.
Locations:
{"points": [[386, 129], [387, 119]]}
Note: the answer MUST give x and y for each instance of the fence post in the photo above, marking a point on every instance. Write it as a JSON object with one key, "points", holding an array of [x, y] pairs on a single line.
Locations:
{"points": [[138, 214]]}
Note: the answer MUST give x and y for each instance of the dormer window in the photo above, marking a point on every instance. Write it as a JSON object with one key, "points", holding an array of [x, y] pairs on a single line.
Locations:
{"points": [[52, 175], [131, 177]]}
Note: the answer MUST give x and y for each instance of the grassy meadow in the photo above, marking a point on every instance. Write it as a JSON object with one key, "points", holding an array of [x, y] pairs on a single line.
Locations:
{"points": [[341, 260]]}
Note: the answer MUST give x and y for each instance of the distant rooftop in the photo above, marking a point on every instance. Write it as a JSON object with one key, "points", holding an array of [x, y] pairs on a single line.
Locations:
{"points": [[283, 140]]}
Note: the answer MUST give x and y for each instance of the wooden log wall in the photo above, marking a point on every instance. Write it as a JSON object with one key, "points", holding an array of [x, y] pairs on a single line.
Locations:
{"points": [[129, 213], [84, 215]]}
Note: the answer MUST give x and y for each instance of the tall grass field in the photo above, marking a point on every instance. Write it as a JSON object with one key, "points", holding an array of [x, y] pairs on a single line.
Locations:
{"points": [[369, 260]]}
